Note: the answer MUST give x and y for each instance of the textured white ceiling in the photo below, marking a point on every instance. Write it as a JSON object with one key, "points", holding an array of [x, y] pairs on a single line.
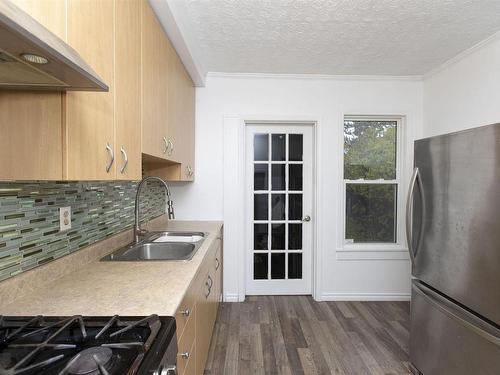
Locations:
{"points": [[355, 37]]}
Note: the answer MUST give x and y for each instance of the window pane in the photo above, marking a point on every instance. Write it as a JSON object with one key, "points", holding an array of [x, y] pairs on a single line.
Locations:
{"points": [[295, 177], [278, 237], [260, 236], [278, 207], [371, 213], [261, 147], [295, 207], [295, 147], [278, 266], [294, 236], [295, 266], [260, 207], [278, 176], [278, 147], [370, 150], [260, 177], [260, 263]]}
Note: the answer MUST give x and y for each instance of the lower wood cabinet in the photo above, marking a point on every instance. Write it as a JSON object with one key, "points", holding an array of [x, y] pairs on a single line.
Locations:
{"points": [[197, 313]]}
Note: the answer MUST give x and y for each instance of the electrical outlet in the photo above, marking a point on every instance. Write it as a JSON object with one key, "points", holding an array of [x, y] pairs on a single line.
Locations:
{"points": [[64, 218]]}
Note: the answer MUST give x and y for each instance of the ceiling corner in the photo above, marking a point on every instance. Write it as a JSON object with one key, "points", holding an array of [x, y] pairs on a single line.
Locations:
{"points": [[179, 37]]}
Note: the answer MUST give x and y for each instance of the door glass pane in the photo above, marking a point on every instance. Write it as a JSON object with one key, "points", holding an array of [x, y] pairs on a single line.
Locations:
{"points": [[260, 180], [295, 176], [278, 206], [260, 236], [370, 149], [294, 236], [278, 237], [295, 147], [371, 212], [260, 207], [260, 266], [278, 176], [278, 147], [295, 266], [295, 207], [261, 147], [278, 266]]}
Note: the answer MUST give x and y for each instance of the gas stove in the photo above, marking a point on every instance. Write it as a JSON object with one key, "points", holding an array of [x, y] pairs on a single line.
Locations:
{"points": [[80, 345]]}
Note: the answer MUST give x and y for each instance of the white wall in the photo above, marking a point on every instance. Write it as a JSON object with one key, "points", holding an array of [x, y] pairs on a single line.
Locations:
{"points": [[464, 93], [326, 100]]}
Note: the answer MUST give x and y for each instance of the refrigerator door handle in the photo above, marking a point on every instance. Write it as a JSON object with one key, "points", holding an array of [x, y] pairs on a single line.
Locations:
{"points": [[458, 314], [415, 179]]}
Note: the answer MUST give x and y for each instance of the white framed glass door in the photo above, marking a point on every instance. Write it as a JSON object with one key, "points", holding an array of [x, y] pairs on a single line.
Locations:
{"points": [[279, 201]]}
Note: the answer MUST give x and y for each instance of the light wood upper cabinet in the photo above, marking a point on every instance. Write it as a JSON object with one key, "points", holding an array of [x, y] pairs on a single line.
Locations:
{"points": [[31, 122], [128, 89], [168, 106], [31, 136], [148, 112], [50, 13], [154, 85], [181, 104], [90, 115]]}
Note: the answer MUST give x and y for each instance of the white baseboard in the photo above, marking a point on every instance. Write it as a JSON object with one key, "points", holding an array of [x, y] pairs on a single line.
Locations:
{"points": [[231, 297], [365, 297]]}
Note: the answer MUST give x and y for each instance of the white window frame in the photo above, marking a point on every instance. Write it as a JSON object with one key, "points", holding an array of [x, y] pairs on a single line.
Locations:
{"points": [[399, 245]]}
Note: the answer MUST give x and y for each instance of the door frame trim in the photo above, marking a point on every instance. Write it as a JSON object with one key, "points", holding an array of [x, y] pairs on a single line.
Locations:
{"points": [[234, 182]]}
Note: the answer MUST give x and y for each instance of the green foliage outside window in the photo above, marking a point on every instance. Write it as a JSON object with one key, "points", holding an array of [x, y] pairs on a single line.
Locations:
{"points": [[370, 154]]}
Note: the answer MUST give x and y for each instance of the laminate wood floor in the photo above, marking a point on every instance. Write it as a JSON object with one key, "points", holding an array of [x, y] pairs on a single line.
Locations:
{"points": [[297, 335]]}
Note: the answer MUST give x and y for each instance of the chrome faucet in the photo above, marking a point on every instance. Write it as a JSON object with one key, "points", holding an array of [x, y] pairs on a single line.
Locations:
{"points": [[138, 232]]}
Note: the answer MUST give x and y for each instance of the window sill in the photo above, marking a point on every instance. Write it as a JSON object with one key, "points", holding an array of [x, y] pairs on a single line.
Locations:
{"points": [[372, 247]]}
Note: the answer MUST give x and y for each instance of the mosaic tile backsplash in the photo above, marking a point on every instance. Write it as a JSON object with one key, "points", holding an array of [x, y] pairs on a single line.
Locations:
{"points": [[29, 218]]}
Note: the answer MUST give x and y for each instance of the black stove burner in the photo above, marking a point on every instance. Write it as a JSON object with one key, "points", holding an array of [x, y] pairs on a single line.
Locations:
{"points": [[89, 360], [80, 346]]}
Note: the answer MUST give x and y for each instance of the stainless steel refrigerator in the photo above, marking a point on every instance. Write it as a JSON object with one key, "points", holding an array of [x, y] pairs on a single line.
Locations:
{"points": [[453, 231]]}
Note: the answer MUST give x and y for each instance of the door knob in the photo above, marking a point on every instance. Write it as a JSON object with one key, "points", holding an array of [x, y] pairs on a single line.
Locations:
{"points": [[307, 218]]}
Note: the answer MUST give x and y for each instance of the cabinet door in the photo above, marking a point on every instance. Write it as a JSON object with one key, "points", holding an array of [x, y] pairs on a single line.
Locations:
{"points": [[31, 136], [204, 323], [50, 13], [89, 115], [181, 98], [218, 277], [154, 85], [31, 122], [128, 89]]}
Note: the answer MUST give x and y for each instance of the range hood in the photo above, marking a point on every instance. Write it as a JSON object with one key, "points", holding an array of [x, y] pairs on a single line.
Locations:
{"points": [[32, 57]]}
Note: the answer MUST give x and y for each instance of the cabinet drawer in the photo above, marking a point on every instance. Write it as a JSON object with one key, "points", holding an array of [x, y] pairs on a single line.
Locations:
{"points": [[186, 343], [186, 308], [190, 368]]}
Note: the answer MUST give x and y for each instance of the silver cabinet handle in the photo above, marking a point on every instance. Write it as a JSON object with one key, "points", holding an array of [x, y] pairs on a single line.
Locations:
{"points": [[415, 178], [186, 312], [218, 264], [184, 355], [307, 218], [166, 145], [209, 286], [125, 158], [170, 147], [190, 171], [112, 154], [211, 282]]}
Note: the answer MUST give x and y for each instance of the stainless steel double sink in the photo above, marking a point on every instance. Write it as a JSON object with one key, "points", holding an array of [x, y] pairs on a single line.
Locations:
{"points": [[160, 246]]}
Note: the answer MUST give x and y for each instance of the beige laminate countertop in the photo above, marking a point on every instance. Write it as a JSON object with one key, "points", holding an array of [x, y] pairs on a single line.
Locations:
{"points": [[124, 288]]}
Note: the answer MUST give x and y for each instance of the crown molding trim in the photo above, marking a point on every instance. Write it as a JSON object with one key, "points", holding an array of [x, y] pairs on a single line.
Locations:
{"points": [[314, 76], [462, 55]]}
